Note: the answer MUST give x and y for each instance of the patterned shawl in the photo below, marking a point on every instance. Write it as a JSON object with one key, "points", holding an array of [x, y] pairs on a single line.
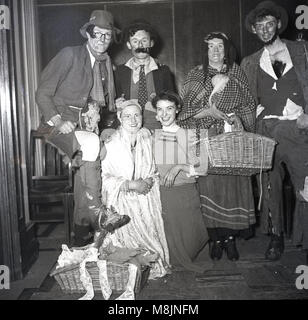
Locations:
{"points": [[234, 98]]}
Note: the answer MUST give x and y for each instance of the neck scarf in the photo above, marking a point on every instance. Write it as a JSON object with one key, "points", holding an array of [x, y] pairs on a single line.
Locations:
{"points": [[97, 76]]}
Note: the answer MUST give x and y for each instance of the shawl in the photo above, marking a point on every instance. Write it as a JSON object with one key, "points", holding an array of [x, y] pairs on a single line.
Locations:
{"points": [[235, 98], [128, 166], [110, 82], [146, 228]]}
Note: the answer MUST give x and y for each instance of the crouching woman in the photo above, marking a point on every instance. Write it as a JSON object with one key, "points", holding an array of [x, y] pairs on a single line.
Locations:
{"points": [[130, 184]]}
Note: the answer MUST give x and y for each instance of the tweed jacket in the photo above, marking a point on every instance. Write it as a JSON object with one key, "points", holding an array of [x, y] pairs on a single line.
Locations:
{"points": [[162, 78], [299, 56], [66, 81]]}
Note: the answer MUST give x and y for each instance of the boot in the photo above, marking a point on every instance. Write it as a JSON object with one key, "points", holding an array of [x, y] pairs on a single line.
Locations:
{"points": [[275, 248], [231, 249], [216, 250], [82, 236]]}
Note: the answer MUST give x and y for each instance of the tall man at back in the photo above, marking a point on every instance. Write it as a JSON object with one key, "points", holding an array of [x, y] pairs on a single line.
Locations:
{"points": [[278, 80]]}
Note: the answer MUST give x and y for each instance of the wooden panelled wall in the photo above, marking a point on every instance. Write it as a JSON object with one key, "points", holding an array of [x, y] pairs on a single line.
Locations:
{"points": [[18, 246], [181, 25], [10, 202]]}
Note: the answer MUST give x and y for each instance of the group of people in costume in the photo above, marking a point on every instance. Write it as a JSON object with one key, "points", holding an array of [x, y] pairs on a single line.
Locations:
{"points": [[147, 162]]}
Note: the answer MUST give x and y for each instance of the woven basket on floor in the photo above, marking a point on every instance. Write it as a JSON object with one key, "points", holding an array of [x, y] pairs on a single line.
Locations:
{"points": [[69, 277], [239, 153]]}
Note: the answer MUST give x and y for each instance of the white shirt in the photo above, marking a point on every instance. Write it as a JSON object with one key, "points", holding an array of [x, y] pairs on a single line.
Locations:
{"points": [[172, 128], [92, 58], [266, 64], [134, 65]]}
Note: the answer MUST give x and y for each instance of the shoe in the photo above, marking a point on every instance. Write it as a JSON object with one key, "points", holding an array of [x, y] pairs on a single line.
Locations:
{"points": [[216, 250], [231, 249], [275, 248]]}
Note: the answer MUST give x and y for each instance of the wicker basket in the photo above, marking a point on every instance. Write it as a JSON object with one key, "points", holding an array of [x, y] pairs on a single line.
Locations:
{"points": [[239, 153], [69, 277]]}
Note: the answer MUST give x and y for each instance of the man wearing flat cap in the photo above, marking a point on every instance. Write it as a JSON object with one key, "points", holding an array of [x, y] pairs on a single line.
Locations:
{"points": [[142, 77], [278, 80], [76, 90]]}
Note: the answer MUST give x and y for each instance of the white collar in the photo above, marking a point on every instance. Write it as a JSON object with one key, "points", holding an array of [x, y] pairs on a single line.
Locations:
{"points": [[149, 66], [172, 128], [266, 64], [92, 58]]}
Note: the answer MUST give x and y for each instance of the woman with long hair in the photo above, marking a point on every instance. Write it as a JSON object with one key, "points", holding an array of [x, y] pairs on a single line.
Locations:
{"points": [[227, 201]]}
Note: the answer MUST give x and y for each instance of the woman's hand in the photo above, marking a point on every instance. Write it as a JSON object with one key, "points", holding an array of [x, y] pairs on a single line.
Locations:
{"points": [[170, 176], [149, 181], [213, 112], [140, 186]]}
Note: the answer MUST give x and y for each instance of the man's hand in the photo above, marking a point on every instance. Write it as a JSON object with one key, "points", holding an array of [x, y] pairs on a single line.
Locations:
{"points": [[119, 101], [65, 127], [302, 121]]}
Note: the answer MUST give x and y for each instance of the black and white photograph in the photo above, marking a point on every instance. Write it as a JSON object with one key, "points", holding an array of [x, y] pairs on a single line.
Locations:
{"points": [[154, 151]]}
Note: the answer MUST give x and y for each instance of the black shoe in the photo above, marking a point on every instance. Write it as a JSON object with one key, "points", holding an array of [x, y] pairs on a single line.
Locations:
{"points": [[275, 248], [231, 249], [216, 250]]}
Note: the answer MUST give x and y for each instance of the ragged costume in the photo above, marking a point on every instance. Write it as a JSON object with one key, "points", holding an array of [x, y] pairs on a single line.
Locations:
{"points": [[65, 87], [272, 93]]}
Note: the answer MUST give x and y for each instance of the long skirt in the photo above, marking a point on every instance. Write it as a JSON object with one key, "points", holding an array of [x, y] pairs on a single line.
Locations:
{"points": [[227, 202], [184, 227]]}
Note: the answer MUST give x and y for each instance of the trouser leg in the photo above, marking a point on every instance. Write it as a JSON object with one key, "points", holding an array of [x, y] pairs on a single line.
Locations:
{"points": [[87, 201], [87, 194], [275, 213], [87, 184], [275, 201]]}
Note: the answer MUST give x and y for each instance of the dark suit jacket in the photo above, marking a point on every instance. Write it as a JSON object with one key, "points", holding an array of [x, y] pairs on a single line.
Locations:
{"points": [[162, 78], [66, 80], [299, 55]]}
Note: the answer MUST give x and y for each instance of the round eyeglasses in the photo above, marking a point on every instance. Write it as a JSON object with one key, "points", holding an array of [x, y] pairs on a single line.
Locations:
{"points": [[100, 35]]}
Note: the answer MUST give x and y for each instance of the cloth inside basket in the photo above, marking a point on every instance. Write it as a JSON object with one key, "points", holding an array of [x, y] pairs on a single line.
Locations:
{"points": [[135, 258]]}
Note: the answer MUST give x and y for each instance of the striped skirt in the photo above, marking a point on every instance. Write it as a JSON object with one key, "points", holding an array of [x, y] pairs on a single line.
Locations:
{"points": [[227, 201]]}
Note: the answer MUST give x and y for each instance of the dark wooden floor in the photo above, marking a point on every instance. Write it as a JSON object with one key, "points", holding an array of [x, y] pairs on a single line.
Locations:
{"points": [[250, 278]]}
